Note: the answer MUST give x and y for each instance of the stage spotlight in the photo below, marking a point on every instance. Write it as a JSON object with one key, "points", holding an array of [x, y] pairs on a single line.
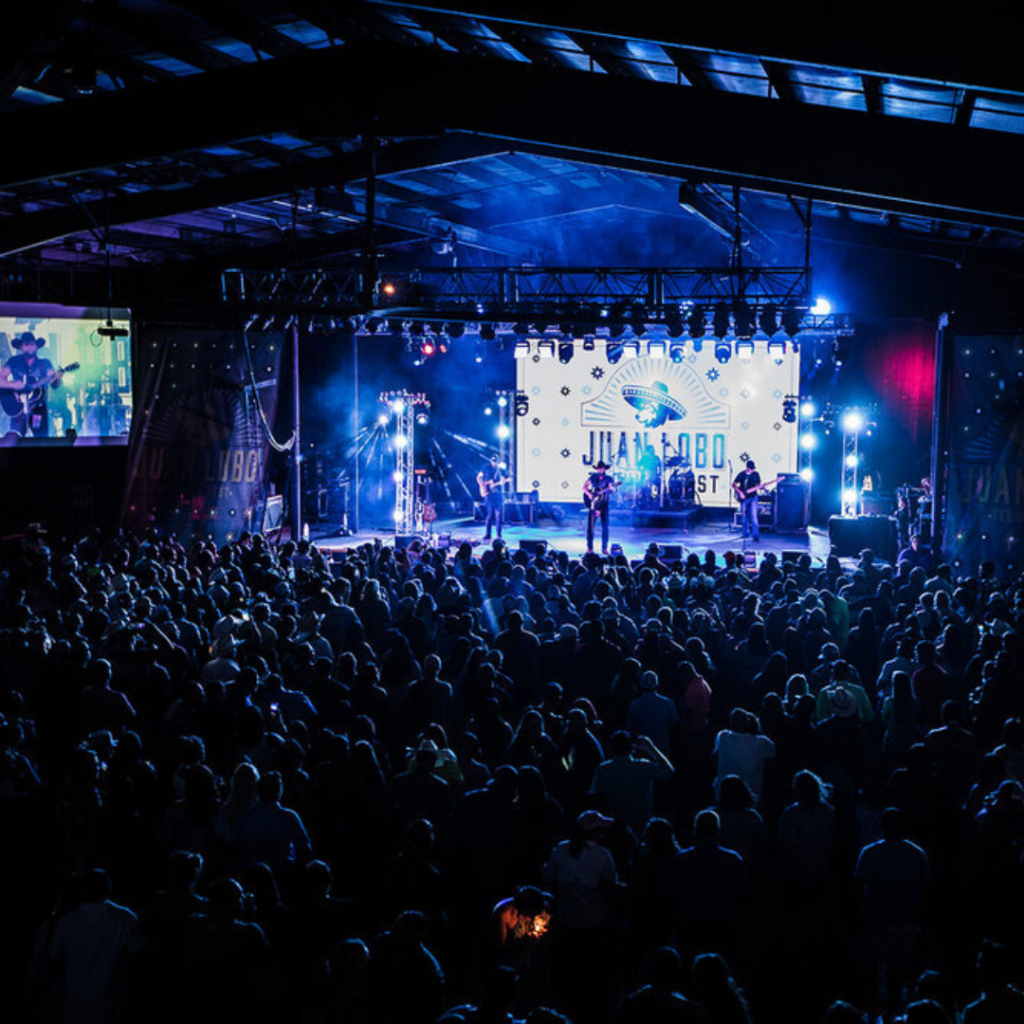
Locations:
{"points": [[546, 349], [502, 401], [821, 307], [853, 422], [695, 322], [808, 442], [427, 349], [422, 419], [613, 353], [840, 350], [565, 352], [416, 328], [777, 350], [720, 320], [478, 353], [383, 419], [371, 325], [656, 349], [808, 410], [631, 349], [521, 350], [398, 407], [789, 409], [791, 320], [522, 404], [401, 440], [849, 498], [589, 344], [723, 350], [743, 317], [456, 329], [677, 351], [503, 432], [488, 411], [389, 288], [487, 332], [852, 461], [638, 322], [698, 345], [807, 474], [397, 476], [769, 319], [745, 349]]}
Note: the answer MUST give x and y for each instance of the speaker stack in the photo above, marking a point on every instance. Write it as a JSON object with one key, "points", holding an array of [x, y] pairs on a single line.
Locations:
{"points": [[791, 504]]}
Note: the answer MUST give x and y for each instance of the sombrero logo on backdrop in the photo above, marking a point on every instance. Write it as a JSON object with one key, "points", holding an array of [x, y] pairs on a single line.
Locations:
{"points": [[647, 394], [654, 405]]}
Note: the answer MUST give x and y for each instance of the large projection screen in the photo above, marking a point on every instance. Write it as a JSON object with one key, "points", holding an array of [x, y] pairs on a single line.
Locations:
{"points": [[714, 415], [92, 403]]}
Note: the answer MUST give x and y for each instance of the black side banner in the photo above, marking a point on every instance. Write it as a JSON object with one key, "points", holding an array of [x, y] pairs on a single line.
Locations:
{"points": [[198, 453]]}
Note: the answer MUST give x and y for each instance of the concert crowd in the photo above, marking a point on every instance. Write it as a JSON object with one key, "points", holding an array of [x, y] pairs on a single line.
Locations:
{"points": [[264, 783]]}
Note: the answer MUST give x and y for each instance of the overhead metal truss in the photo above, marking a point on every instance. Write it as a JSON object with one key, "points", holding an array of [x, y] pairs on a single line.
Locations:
{"points": [[498, 294]]}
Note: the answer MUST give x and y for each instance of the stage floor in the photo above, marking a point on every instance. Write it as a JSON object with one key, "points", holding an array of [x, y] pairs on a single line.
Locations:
{"points": [[570, 536]]}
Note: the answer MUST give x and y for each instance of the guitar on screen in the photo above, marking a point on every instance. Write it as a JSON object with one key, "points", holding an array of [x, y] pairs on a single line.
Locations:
{"points": [[24, 401]]}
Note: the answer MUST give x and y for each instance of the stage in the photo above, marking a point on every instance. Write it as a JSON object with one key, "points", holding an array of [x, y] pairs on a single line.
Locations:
{"points": [[713, 533]]}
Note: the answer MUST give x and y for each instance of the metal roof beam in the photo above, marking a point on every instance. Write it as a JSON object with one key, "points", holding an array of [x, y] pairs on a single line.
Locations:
{"points": [[864, 161], [980, 52], [28, 230], [234, 22]]}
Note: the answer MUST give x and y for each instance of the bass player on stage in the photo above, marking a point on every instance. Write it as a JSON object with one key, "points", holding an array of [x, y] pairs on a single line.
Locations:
{"points": [[490, 482], [597, 492], [746, 485]]}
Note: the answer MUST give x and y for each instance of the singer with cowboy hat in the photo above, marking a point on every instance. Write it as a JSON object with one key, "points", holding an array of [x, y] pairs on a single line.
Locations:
{"points": [[597, 492]]}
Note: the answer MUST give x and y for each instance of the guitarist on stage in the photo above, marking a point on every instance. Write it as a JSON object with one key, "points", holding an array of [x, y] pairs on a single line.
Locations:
{"points": [[490, 482], [26, 368], [597, 492], [746, 486]]}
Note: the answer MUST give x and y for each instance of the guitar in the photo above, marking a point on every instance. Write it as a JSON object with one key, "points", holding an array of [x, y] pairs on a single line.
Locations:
{"points": [[597, 501], [487, 486], [751, 491], [24, 401]]}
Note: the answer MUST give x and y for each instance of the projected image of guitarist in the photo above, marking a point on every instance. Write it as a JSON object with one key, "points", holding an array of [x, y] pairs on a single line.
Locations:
{"points": [[597, 492], [25, 380], [490, 480]]}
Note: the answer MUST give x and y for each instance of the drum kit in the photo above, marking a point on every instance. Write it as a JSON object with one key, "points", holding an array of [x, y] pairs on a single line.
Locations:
{"points": [[657, 484]]}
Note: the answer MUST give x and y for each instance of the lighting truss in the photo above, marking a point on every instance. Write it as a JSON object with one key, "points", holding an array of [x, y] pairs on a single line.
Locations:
{"points": [[403, 405], [563, 293]]}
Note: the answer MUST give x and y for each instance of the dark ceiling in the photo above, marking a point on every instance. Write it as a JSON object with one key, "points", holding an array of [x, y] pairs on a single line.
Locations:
{"points": [[195, 135]]}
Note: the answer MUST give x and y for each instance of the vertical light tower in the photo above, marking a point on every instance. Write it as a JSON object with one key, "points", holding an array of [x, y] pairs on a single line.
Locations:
{"points": [[852, 424], [807, 442], [403, 406], [505, 402]]}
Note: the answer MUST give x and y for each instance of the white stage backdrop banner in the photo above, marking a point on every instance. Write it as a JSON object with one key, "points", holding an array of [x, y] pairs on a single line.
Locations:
{"points": [[713, 415]]}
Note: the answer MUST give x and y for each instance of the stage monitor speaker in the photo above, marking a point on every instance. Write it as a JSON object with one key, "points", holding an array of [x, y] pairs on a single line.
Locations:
{"points": [[850, 535], [533, 547], [671, 552], [791, 504]]}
